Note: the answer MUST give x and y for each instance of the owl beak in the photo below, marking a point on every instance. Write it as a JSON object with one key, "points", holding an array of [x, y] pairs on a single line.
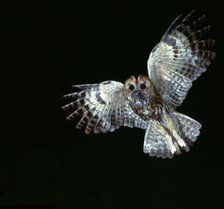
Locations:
{"points": [[138, 95], [139, 98]]}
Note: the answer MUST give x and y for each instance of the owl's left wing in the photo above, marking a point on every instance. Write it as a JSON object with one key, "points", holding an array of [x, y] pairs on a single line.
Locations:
{"points": [[179, 58], [102, 108]]}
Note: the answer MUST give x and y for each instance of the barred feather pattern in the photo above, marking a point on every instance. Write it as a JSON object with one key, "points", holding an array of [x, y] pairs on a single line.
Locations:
{"points": [[176, 133], [180, 58], [157, 142], [102, 108], [188, 128]]}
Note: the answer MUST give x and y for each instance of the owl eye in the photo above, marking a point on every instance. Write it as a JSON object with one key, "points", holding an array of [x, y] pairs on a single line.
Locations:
{"points": [[142, 86], [131, 87]]}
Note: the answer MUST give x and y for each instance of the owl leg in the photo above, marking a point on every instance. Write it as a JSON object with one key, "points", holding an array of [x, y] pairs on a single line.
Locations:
{"points": [[171, 134], [183, 129], [159, 142], [170, 125]]}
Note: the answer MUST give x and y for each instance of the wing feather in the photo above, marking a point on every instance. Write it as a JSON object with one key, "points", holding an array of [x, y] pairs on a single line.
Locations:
{"points": [[180, 58], [102, 108]]}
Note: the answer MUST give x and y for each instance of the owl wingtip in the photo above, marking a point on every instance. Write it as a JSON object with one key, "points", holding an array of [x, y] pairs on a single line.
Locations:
{"points": [[63, 107]]}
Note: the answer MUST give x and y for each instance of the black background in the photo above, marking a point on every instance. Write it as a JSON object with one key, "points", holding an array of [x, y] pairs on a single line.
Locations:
{"points": [[45, 162]]}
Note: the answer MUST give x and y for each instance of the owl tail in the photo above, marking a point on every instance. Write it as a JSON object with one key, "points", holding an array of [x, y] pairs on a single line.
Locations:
{"points": [[189, 129], [173, 135]]}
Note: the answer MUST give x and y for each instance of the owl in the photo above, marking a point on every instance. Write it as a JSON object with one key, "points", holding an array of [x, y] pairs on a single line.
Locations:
{"points": [[150, 102]]}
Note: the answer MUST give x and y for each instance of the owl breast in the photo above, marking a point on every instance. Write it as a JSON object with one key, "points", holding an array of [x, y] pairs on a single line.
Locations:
{"points": [[140, 100], [147, 109]]}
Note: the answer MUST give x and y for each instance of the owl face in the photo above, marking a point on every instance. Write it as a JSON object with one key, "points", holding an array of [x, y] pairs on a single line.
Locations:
{"points": [[140, 91]]}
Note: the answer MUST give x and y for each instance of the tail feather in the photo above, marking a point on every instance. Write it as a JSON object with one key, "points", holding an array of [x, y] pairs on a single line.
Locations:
{"points": [[189, 128], [170, 136]]}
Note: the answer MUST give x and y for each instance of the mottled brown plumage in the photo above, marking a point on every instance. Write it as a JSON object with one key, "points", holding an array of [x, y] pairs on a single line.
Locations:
{"points": [[143, 97], [150, 103]]}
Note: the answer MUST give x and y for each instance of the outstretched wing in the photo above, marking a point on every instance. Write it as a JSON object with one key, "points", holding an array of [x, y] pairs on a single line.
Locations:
{"points": [[102, 108], [179, 58]]}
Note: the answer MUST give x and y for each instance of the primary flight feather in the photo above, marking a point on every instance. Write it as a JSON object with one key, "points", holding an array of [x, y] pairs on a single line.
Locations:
{"points": [[150, 102]]}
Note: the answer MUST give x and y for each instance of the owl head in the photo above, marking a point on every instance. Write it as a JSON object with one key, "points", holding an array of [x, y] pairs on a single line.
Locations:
{"points": [[140, 91]]}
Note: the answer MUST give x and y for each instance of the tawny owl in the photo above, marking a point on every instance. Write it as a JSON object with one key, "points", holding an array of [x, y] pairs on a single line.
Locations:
{"points": [[149, 102]]}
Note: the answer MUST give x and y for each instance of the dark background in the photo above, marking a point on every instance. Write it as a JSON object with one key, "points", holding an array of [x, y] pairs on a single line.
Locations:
{"points": [[45, 162]]}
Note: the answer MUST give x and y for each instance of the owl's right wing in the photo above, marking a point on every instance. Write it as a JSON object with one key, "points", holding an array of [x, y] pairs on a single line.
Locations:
{"points": [[102, 108]]}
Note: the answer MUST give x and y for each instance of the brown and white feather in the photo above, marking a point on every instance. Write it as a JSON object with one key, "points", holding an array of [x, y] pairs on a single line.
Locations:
{"points": [[179, 58], [102, 108], [149, 103]]}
